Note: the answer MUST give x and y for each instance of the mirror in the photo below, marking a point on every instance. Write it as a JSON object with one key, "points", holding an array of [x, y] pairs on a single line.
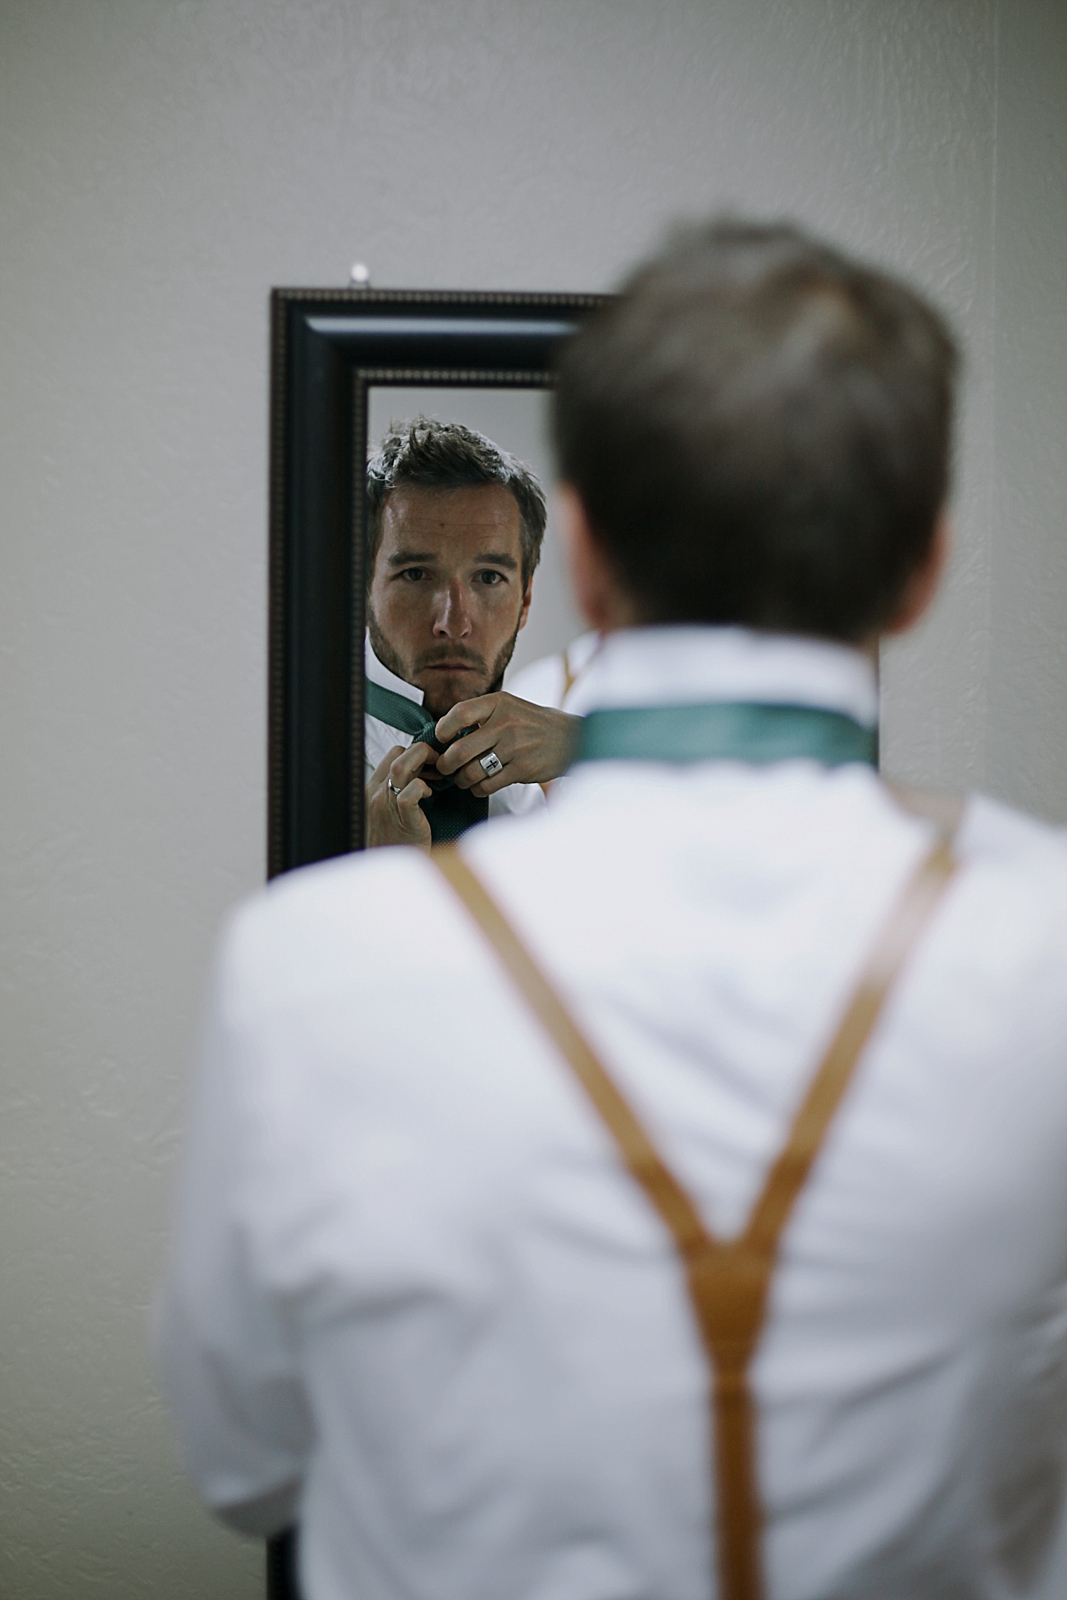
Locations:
{"points": [[336, 357]]}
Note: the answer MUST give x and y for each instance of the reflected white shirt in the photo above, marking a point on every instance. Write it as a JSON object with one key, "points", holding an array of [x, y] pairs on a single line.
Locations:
{"points": [[379, 738], [413, 1291], [551, 681]]}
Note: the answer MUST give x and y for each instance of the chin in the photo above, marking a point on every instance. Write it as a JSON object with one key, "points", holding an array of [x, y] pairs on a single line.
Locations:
{"points": [[447, 692]]}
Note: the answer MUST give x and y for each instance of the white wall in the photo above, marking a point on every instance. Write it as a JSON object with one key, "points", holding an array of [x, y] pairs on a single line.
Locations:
{"points": [[162, 164], [1026, 759]]}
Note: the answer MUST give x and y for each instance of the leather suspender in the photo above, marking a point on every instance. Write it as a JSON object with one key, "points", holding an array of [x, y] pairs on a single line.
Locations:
{"points": [[728, 1281], [568, 676]]}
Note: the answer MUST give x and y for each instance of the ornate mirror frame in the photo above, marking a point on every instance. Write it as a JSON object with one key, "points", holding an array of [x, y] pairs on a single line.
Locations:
{"points": [[328, 348]]}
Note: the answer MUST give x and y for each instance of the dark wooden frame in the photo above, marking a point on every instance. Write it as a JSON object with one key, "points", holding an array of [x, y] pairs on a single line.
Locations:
{"points": [[327, 348]]}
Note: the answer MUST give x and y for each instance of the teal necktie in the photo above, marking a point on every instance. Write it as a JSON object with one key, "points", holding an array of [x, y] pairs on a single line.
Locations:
{"points": [[450, 811], [726, 731], [397, 711]]}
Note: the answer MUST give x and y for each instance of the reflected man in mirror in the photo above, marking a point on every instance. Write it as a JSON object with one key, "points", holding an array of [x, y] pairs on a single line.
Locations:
{"points": [[455, 526]]}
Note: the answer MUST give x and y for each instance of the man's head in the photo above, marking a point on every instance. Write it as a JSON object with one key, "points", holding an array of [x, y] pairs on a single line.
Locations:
{"points": [[454, 533], [758, 432]]}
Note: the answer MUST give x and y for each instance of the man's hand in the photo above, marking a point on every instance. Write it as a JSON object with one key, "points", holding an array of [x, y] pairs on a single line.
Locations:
{"points": [[394, 815], [534, 743]]}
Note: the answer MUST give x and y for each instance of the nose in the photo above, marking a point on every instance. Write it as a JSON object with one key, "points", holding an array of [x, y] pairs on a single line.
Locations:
{"points": [[452, 619]]}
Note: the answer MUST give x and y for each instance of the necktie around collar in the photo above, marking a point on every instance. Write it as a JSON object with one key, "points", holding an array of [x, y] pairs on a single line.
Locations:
{"points": [[726, 731]]}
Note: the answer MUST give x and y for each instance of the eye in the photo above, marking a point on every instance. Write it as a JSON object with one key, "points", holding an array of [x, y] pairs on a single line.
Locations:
{"points": [[491, 577], [413, 574]]}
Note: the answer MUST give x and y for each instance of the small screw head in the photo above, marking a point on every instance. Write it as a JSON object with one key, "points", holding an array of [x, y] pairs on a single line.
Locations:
{"points": [[360, 276]]}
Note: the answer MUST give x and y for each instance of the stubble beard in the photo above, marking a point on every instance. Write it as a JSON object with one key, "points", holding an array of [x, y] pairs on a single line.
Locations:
{"points": [[389, 658]]}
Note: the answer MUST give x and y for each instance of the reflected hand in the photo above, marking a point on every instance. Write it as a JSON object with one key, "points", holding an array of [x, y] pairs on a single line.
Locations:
{"points": [[394, 815], [535, 743]]}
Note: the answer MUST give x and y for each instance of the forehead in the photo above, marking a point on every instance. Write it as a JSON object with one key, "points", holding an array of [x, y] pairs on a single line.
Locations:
{"points": [[480, 516]]}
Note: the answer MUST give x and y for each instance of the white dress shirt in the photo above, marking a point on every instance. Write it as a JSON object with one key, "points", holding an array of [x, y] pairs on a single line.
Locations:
{"points": [[551, 680], [415, 1300], [380, 737]]}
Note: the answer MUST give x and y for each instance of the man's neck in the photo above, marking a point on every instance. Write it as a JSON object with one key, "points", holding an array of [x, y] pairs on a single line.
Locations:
{"points": [[690, 664]]}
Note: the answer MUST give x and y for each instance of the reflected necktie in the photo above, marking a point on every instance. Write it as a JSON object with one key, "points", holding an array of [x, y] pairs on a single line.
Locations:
{"points": [[450, 811], [726, 731]]}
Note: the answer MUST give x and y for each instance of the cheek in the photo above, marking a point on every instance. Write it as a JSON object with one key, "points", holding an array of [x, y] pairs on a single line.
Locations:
{"points": [[498, 606], [402, 603]]}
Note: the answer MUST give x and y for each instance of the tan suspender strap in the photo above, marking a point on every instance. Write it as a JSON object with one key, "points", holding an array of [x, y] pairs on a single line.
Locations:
{"points": [[568, 676], [728, 1282]]}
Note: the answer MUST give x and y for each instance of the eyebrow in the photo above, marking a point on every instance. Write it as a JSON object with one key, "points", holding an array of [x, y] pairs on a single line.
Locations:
{"points": [[496, 558], [492, 558], [403, 558]]}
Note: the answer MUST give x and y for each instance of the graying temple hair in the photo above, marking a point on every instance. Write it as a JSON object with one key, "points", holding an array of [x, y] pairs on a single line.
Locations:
{"points": [[446, 455]]}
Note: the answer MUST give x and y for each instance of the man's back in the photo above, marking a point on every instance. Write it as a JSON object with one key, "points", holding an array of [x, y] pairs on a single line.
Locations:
{"points": [[416, 1299], [507, 1389]]}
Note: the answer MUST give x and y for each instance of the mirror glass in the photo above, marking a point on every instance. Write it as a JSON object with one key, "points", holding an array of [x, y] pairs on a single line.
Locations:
{"points": [[444, 600]]}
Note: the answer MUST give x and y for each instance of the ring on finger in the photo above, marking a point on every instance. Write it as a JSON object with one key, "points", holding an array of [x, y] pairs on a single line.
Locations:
{"points": [[491, 764], [391, 786]]}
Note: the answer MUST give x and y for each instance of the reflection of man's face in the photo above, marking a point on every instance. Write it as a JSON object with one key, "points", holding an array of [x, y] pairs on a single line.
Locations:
{"points": [[447, 598]]}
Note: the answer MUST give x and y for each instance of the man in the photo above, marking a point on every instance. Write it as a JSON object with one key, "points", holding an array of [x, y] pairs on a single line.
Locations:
{"points": [[456, 526], [758, 1109]]}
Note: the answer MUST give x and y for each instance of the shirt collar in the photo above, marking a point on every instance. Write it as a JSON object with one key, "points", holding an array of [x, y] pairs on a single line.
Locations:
{"points": [[377, 673], [690, 665]]}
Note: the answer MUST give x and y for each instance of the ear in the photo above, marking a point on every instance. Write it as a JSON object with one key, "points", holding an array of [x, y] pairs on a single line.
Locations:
{"points": [[600, 597], [923, 584]]}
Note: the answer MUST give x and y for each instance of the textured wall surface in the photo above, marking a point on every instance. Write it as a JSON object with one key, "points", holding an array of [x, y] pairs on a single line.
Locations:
{"points": [[164, 162], [1027, 677]]}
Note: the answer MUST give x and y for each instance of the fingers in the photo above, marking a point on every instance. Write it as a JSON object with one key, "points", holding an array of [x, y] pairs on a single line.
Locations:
{"points": [[535, 743], [394, 815], [409, 823], [399, 765], [408, 765], [411, 761], [469, 748], [473, 777], [380, 774], [467, 714], [407, 802]]}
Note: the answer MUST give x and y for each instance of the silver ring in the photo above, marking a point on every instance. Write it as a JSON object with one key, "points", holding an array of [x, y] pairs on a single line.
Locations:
{"points": [[491, 764], [391, 786]]}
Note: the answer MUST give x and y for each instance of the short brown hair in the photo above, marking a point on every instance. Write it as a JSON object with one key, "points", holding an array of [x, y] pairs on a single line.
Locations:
{"points": [[446, 455], [759, 429]]}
